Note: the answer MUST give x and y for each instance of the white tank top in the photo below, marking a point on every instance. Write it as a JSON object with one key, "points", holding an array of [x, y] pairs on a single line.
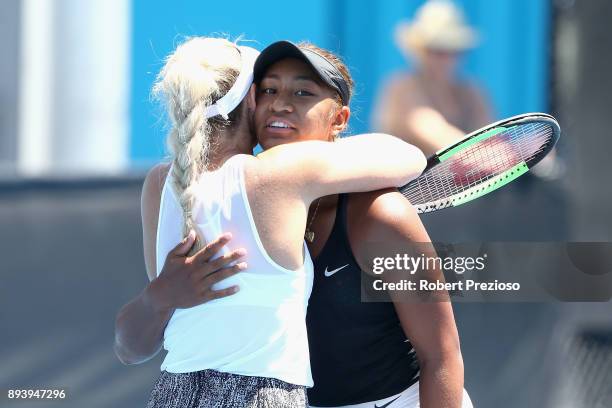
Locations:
{"points": [[259, 331]]}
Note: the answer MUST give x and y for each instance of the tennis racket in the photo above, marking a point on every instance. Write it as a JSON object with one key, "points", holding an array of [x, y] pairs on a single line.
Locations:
{"points": [[482, 162]]}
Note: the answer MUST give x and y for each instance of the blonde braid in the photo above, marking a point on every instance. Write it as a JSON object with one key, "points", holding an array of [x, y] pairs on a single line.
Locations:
{"points": [[189, 142], [199, 71]]}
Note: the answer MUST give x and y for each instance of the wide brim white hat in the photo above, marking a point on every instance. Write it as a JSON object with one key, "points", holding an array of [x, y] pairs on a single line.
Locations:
{"points": [[438, 25]]}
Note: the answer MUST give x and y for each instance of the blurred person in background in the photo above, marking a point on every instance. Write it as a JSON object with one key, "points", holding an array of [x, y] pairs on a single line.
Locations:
{"points": [[230, 347], [431, 107]]}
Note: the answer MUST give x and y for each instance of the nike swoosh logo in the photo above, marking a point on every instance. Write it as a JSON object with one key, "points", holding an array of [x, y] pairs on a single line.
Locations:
{"points": [[330, 273], [388, 403]]}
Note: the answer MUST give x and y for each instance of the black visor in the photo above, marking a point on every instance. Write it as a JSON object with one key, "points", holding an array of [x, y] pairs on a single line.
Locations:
{"points": [[328, 73]]}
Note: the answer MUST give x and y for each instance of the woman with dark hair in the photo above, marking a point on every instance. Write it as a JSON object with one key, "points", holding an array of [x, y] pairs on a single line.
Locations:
{"points": [[362, 354]]}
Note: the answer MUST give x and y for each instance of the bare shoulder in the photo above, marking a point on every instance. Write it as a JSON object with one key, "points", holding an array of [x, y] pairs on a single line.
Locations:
{"points": [[383, 215], [280, 165], [388, 207], [255, 170], [149, 207], [153, 185], [154, 181], [151, 192]]}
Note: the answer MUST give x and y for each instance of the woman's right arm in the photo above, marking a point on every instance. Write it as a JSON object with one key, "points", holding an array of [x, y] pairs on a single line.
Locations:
{"points": [[353, 164], [402, 110], [429, 129], [183, 282]]}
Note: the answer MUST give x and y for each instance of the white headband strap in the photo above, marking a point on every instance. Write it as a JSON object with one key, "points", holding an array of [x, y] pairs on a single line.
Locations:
{"points": [[238, 91]]}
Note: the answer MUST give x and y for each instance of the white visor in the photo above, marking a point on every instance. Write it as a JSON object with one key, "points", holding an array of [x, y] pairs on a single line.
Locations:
{"points": [[241, 87]]}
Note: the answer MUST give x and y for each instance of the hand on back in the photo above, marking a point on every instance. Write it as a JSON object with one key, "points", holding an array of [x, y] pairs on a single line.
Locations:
{"points": [[186, 281]]}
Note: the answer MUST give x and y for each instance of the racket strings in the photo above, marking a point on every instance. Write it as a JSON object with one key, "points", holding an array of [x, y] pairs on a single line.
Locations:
{"points": [[494, 157], [482, 161], [479, 163]]}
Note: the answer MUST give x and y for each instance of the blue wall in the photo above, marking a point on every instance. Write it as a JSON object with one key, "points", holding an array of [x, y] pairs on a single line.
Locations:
{"points": [[511, 62]]}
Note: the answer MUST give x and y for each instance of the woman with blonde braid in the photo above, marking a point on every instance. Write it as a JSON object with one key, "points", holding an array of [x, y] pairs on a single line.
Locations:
{"points": [[248, 349]]}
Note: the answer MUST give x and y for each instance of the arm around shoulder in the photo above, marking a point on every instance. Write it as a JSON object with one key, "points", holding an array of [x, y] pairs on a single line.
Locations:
{"points": [[353, 164]]}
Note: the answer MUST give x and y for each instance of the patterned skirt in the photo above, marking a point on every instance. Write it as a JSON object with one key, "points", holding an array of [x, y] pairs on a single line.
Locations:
{"points": [[214, 389]]}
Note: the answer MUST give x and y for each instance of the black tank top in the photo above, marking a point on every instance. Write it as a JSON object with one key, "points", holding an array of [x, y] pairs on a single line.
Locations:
{"points": [[358, 351]]}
